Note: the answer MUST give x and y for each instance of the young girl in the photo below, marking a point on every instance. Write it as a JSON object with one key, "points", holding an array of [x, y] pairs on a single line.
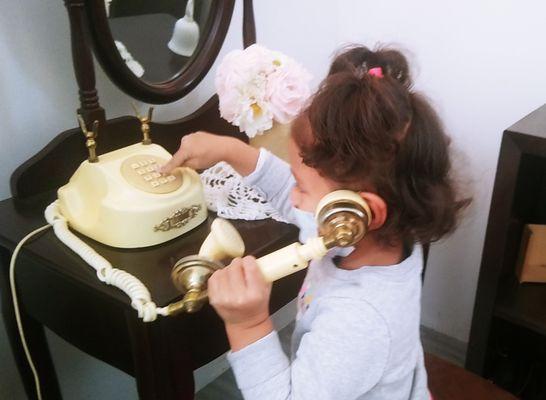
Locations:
{"points": [[357, 329]]}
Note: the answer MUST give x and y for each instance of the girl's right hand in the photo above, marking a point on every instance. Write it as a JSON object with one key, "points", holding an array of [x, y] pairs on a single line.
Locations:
{"points": [[199, 150]]}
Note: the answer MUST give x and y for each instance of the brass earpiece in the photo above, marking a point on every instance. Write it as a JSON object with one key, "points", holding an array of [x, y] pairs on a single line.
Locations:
{"points": [[343, 218]]}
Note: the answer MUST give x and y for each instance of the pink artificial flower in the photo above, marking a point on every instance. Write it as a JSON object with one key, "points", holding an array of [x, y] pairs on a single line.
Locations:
{"points": [[256, 86], [287, 90]]}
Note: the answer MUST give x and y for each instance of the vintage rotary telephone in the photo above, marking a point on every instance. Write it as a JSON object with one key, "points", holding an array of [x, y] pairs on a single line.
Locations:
{"points": [[119, 199], [343, 218]]}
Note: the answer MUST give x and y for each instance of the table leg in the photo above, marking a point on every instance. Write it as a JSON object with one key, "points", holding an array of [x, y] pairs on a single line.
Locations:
{"points": [[35, 337], [163, 366]]}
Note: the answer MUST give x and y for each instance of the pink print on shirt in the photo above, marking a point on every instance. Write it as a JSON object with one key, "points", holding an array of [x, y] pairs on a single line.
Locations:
{"points": [[304, 298]]}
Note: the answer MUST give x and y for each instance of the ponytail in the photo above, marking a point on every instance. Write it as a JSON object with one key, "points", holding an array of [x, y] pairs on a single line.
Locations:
{"points": [[425, 187]]}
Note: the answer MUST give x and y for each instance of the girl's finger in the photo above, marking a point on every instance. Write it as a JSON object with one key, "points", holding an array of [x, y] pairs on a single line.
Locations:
{"points": [[213, 285], [236, 278], [253, 274], [178, 159]]}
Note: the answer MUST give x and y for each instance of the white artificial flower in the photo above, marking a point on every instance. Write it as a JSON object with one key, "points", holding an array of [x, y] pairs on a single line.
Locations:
{"points": [[256, 86]]}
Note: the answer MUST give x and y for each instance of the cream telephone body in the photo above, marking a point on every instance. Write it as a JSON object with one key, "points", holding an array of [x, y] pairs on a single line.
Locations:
{"points": [[122, 201]]}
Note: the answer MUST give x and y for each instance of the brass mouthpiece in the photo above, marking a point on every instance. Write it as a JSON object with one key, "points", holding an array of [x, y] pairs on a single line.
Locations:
{"points": [[190, 275]]}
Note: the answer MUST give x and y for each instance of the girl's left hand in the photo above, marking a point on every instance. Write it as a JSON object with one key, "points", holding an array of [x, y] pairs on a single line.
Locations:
{"points": [[240, 295]]}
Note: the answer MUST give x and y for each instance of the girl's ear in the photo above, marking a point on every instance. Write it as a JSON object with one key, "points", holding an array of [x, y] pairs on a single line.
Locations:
{"points": [[378, 207]]}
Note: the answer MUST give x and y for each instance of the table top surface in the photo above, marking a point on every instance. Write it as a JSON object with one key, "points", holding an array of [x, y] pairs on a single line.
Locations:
{"points": [[152, 265]]}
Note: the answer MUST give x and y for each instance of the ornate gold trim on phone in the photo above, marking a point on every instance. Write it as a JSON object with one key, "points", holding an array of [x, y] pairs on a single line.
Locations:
{"points": [[178, 219]]}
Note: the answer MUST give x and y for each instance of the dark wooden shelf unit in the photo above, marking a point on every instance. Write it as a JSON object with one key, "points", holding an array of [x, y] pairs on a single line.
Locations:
{"points": [[503, 304]]}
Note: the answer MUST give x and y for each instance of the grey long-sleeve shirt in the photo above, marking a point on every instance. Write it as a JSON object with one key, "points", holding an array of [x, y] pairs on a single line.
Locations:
{"points": [[356, 333]]}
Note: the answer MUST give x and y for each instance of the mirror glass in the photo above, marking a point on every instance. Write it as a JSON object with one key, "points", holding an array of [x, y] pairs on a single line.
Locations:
{"points": [[158, 38]]}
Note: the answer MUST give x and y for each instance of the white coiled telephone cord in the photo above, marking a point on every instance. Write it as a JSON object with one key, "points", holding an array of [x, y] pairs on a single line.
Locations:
{"points": [[134, 288], [140, 296]]}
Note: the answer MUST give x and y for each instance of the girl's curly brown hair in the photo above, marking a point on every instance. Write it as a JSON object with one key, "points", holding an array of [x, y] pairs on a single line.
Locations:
{"points": [[375, 133]]}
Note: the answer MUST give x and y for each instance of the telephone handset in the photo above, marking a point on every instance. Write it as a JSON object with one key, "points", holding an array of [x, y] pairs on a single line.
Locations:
{"points": [[343, 218]]}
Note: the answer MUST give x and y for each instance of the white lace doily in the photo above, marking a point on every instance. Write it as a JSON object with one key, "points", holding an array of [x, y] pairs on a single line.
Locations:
{"points": [[229, 197]]}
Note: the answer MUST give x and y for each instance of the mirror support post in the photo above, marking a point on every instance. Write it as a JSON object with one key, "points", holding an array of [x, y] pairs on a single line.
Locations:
{"points": [[84, 69], [249, 26]]}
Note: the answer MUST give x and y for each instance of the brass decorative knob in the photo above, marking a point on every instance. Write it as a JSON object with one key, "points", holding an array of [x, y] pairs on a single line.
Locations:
{"points": [[144, 124], [91, 136]]}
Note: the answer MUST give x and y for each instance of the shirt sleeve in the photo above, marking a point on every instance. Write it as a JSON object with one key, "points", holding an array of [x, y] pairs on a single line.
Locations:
{"points": [[343, 356], [273, 179]]}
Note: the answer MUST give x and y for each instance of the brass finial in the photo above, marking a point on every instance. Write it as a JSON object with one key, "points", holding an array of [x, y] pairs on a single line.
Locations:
{"points": [[91, 137], [145, 124]]}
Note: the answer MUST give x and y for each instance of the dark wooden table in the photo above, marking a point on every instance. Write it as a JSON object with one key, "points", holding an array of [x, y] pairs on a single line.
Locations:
{"points": [[57, 289]]}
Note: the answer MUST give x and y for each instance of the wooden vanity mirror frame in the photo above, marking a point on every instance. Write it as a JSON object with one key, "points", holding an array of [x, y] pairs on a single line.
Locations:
{"points": [[182, 83]]}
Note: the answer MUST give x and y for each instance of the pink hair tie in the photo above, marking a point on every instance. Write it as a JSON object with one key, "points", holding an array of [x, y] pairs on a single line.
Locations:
{"points": [[377, 72]]}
